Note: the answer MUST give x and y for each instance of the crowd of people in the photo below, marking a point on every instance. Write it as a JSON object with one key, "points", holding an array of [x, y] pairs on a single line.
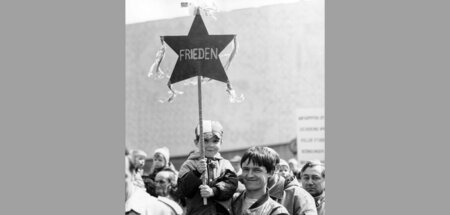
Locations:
{"points": [[257, 182]]}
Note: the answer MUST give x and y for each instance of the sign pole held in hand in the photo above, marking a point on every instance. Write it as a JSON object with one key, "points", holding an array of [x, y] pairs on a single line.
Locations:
{"points": [[202, 141], [198, 55]]}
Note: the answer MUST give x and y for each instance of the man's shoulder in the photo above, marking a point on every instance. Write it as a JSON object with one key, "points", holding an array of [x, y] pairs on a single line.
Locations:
{"points": [[142, 203], [299, 191], [294, 186], [172, 204], [291, 183]]}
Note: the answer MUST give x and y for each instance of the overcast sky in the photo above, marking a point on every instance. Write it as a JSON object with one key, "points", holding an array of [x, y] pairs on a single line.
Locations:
{"points": [[146, 10]]}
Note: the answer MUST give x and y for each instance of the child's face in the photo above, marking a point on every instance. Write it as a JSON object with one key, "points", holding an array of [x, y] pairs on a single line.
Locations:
{"points": [[284, 171], [255, 177], [212, 146], [140, 161], [159, 161]]}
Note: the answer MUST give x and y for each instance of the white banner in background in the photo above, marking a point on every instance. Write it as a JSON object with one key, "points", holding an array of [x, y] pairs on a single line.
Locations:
{"points": [[310, 135]]}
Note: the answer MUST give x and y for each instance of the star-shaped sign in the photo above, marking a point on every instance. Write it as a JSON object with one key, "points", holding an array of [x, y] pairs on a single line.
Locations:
{"points": [[198, 53]]}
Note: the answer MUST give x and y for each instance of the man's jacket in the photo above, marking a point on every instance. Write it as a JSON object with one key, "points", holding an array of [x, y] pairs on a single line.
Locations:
{"points": [[294, 198]]}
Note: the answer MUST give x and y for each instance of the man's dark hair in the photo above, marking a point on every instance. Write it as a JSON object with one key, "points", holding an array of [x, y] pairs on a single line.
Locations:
{"points": [[261, 156], [311, 164]]}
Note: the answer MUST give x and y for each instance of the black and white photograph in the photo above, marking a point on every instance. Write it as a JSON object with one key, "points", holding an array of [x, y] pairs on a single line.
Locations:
{"points": [[225, 107], [219, 107]]}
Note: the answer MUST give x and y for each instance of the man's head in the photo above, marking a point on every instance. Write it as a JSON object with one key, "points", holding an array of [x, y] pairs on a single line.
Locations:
{"points": [[313, 177], [258, 164], [212, 136], [165, 180]]}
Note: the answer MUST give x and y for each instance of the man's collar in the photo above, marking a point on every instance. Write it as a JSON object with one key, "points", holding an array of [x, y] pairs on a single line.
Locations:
{"points": [[320, 198], [260, 201]]}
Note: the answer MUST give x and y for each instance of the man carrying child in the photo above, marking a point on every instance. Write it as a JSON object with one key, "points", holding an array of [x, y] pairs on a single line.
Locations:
{"points": [[258, 164]]}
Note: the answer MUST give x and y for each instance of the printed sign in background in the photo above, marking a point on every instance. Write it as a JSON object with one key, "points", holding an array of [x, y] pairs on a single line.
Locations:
{"points": [[311, 134]]}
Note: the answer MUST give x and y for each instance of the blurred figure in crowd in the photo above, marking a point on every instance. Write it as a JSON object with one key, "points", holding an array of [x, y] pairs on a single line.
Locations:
{"points": [[138, 160], [293, 165], [258, 164], [289, 193], [128, 174], [284, 170], [166, 189], [313, 180], [221, 178], [137, 201], [236, 162], [161, 160]]}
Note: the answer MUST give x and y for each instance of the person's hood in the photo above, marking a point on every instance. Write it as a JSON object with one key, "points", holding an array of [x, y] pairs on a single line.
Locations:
{"points": [[291, 182], [276, 190], [280, 184]]}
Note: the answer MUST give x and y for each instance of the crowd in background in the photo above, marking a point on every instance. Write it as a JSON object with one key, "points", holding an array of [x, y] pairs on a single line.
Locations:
{"points": [[257, 182]]}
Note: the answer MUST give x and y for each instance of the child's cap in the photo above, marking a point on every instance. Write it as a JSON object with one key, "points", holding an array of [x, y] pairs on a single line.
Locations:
{"points": [[210, 127], [164, 151]]}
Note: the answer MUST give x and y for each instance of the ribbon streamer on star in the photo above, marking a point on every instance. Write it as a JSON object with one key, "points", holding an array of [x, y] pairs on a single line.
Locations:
{"points": [[198, 55]]}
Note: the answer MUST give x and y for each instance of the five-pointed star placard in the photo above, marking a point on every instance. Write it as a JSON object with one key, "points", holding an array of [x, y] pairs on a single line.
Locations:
{"points": [[198, 53]]}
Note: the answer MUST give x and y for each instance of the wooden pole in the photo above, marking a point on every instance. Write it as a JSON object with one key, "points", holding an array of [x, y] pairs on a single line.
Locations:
{"points": [[202, 142]]}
